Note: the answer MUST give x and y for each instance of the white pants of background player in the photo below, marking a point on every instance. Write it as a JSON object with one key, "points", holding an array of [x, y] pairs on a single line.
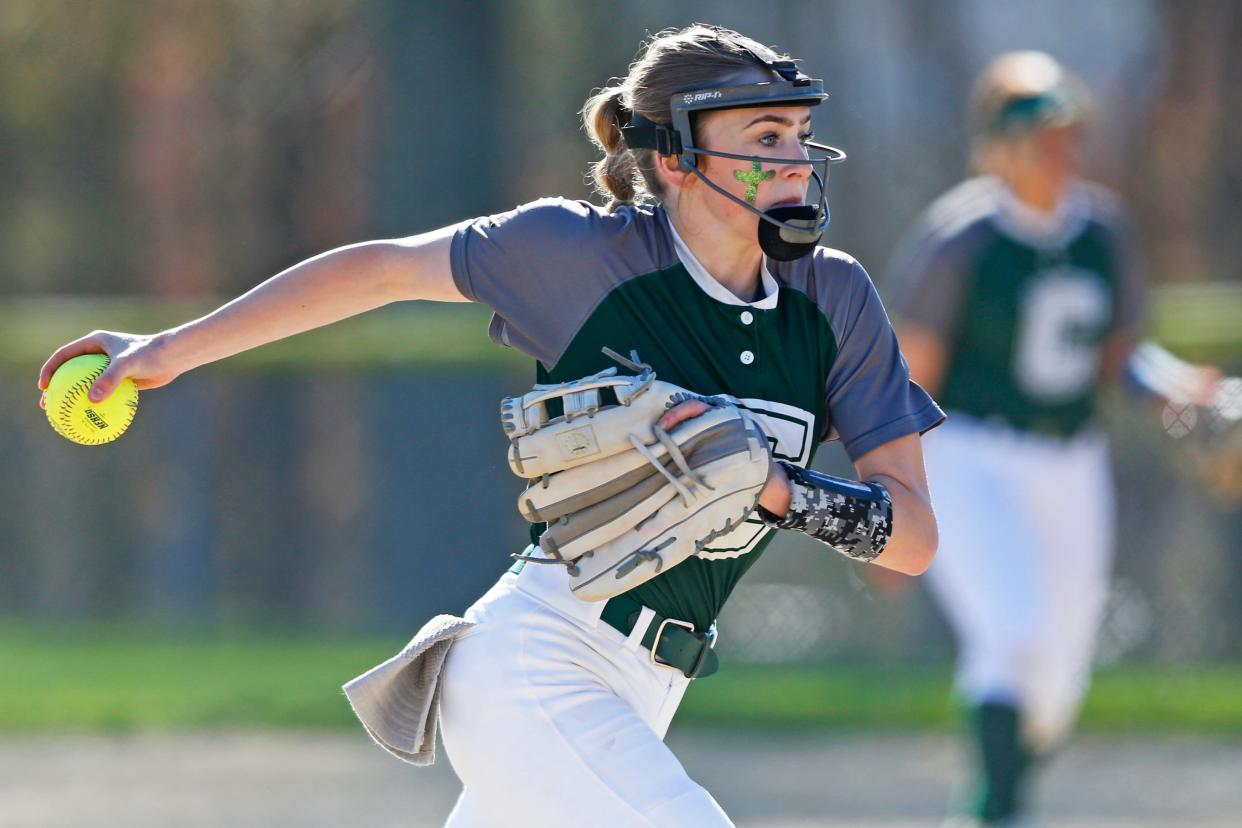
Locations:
{"points": [[552, 718], [1022, 572]]}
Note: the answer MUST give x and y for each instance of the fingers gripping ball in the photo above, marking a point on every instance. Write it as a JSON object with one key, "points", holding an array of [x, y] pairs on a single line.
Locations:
{"points": [[74, 416]]}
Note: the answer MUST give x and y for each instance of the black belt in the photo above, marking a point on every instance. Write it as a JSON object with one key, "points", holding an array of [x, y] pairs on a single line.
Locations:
{"points": [[677, 644], [671, 642]]}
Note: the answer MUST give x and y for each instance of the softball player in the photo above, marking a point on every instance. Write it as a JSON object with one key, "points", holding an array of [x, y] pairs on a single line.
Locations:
{"points": [[553, 709], [1017, 296]]}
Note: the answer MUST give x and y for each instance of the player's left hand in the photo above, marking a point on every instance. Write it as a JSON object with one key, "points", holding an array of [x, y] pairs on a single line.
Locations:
{"points": [[775, 495], [1205, 385], [1216, 451]]}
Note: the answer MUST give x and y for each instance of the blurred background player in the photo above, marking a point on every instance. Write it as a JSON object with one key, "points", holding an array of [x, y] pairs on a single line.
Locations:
{"points": [[1018, 296]]}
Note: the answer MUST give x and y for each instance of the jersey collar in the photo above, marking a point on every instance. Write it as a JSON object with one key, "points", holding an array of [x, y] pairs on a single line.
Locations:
{"points": [[1054, 229], [708, 284]]}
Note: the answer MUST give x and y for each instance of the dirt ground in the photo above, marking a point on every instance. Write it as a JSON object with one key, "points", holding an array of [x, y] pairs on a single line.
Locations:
{"points": [[273, 780]]}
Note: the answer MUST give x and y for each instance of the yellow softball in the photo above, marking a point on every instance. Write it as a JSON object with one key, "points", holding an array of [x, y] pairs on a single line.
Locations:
{"points": [[72, 413]]}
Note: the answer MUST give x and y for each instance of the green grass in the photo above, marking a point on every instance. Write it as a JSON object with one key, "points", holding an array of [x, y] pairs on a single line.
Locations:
{"points": [[856, 696], [113, 681], [1191, 698], [1150, 697], [123, 680]]}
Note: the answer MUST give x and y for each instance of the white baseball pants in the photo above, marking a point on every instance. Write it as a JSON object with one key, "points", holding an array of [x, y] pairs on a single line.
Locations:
{"points": [[1026, 533], [551, 717]]}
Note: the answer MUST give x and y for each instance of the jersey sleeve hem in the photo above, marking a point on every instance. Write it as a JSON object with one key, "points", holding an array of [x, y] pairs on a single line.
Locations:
{"points": [[920, 422], [458, 264]]}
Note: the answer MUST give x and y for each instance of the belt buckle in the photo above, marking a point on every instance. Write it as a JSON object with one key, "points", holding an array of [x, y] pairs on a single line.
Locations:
{"points": [[706, 641]]}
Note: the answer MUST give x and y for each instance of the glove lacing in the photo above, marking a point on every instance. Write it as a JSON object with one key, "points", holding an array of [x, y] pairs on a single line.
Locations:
{"points": [[674, 452], [686, 492]]}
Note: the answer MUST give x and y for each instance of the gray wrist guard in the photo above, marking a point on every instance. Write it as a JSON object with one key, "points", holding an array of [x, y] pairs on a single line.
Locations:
{"points": [[855, 519]]}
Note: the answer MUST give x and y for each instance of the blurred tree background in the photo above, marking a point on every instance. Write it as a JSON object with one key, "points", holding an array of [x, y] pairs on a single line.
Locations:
{"points": [[159, 155]]}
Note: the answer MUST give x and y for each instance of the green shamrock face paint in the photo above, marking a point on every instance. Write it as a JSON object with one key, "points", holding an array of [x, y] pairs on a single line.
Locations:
{"points": [[753, 178]]}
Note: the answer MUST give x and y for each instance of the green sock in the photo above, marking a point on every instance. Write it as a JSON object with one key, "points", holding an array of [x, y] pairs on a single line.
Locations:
{"points": [[1003, 761]]}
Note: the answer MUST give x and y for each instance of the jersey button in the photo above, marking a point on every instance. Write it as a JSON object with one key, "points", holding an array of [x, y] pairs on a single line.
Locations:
{"points": [[747, 317], [747, 357]]}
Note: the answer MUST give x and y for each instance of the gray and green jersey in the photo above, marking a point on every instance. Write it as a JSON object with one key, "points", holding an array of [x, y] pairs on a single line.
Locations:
{"points": [[815, 358], [1024, 303]]}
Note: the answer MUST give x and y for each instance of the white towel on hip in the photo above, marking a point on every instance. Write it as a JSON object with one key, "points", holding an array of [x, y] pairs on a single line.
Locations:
{"points": [[398, 701]]}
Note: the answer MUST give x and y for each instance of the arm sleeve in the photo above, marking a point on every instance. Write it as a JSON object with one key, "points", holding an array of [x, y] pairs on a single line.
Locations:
{"points": [[870, 397]]}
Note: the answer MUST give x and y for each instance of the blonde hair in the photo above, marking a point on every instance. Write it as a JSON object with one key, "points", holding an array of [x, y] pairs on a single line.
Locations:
{"points": [[671, 61], [1013, 77]]}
